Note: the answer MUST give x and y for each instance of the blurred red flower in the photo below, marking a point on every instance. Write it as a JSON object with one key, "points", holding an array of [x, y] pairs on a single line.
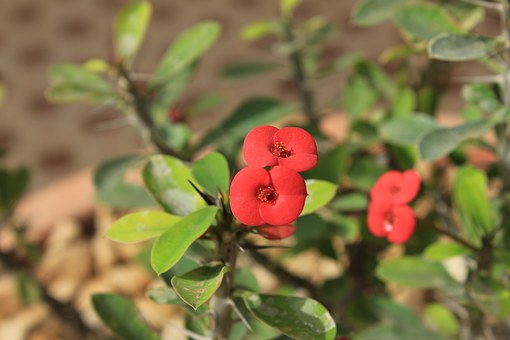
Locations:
{"points": [[396, 187], [259, 196], [291, 147], [276, 232], [395, 222]]}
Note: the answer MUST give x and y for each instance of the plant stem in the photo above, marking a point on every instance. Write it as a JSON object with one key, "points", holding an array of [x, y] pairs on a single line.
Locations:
{"points": [[300, 76]]}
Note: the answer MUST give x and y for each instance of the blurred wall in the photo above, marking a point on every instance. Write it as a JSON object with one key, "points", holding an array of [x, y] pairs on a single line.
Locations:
{"points": [[55, 139]]}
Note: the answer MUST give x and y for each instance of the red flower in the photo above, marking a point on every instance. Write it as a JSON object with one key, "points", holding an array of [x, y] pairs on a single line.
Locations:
{"points": [[258, 196], [396, 187], [291, 147], [276, 232], [395, 222]]}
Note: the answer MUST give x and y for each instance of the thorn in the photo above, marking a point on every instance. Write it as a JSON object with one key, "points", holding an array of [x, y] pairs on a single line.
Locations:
{"points": [[207, 198]]}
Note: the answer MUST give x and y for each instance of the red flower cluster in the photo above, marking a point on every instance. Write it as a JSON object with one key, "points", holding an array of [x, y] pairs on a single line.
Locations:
{"points": [[388, 213], [275, 196]]}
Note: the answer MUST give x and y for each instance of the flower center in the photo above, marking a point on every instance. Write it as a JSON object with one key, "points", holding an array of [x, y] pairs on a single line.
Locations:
{"points": [[267, 194], [389, 221], [280, 150]]}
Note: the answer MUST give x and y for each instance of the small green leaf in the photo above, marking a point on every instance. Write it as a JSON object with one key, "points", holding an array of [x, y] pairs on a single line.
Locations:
{"points": [[287, 7], [70, 82], [169, 93], [440, 319], [438, 142], [331, 166], [186, 49], [141, 226], [458, 47], [483, 96], [358, 97], [425, 20], [364, 172], [13, 184], [411, 271], [350, 202], [212, 173], [319, 194], [403, 102], [173, 243], [472, 203], [205, 103], [199, 285], [442, 250], [296, 317], [166, 178], [246, 280], [130, 28], [164, 296], [257, 30], [246, 69], [405, 131], [122, 317], [250, 114], [373, 12]]}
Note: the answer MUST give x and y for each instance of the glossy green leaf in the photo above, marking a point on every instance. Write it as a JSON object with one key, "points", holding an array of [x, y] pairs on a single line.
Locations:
{"points": [[319, 194], [173, 243], [199, 285], [176, 135], [122, 317], [140, 226], [470, 199], [186, 49], [442, 250], [70, 82], [373, 12], [358, 97], [247, 69], [287, 7], [250, 114], [406, 130], [212, 173], [350, 202], [458, 47], [130, 28], [13, 184], [258, 29], [296, 317], [438, 142], [167, 179], [440, 319], [331, 166], [111, 188], [416, 272], [425, 20]]}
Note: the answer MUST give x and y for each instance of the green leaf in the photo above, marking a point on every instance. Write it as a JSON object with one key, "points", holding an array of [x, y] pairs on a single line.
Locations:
{"points": [[350, 202], [296, 317], [405, 131], [373, 12], [491, 296], [169, 93], [440, 319], [70, 82], [110, 174], [470, 199], [166, 178], [364, 172], [121, 316], [173, 243], [205, 103], [199, 285], [442, 250], [257, 30], [141, 226], [164, 296], [12, 186], [212, 173], [438, 142], [425, 20], [483, 96], [186, 49], [403, 102], [247, 69], [358, 97], [130, 28], [319, 194], [468, 15], [287, 7], [250, 114], [176, 135], [416, 272], [331, 166], [376, 77], [458, 47], [246, 280]]}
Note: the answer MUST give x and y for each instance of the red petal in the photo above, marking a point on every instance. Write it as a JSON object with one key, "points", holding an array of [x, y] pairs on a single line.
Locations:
{"points": [[287, 182], [299, 142], [257, 146], [376, 216], [406, 184], [243, 194], [409, 187], [284, 210], [405, 222], [382, 188], [277, 232]]}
